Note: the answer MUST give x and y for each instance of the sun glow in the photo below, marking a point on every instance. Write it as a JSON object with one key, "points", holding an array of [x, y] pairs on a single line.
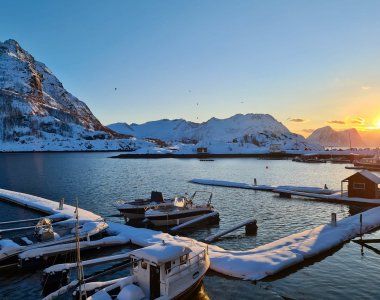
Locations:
{"points": [[377, 124]]}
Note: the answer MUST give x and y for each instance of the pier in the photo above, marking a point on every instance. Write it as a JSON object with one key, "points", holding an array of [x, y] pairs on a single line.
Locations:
{"points": [[313, 193], [252, 264]]}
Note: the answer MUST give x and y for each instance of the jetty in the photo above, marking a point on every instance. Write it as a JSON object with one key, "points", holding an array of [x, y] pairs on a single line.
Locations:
{"points": [[312, 193], [267, 188], [252, 264]]}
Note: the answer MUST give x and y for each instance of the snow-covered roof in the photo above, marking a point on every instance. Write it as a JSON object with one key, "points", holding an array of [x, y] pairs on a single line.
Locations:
{"points": [[162, 252], [367, 174]]}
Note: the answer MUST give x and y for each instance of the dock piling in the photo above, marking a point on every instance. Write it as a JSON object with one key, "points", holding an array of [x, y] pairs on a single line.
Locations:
{"points": [[61, 202], [333, 219], [251, 228]]}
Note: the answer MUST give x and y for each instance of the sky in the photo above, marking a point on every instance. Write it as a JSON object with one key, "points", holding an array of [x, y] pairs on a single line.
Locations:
{"points": [[308, 63]]}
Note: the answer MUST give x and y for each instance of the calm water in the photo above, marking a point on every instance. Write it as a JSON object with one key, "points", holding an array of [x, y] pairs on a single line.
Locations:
{"points": [[98, 181]]}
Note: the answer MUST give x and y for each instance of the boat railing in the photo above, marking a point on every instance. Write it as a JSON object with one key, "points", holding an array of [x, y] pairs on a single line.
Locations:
{"points": [[174, 273]]}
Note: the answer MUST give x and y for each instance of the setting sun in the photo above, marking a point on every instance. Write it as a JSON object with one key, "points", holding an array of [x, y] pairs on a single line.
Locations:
{"points": [[377, 124]]}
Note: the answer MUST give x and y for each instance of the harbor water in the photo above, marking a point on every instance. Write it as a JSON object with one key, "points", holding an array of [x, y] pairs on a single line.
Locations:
{"points": [[348, 272]]}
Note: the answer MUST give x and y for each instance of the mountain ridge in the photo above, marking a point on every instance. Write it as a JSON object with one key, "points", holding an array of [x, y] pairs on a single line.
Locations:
{"points": [[328, 137]]}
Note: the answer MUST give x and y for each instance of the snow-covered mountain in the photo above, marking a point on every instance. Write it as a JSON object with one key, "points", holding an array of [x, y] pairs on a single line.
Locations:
{"points": [[253, 130], [37, 113], [326, 136]]}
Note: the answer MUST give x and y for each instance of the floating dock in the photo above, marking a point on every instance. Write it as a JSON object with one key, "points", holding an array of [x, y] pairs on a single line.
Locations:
{"points": [[267, 188], [314, 193], [252, 264]]}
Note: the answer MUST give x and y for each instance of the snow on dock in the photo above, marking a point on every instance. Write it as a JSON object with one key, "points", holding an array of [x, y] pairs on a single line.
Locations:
{"points": [[269, 259], [333, 198], [253, 264], [46, 206], [269, 188]]}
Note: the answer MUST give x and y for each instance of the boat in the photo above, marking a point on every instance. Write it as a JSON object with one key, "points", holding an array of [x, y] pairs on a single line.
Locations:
{"points": [[161, 271], [135, 210], [45, 234], [369, 163], [183, 209]]}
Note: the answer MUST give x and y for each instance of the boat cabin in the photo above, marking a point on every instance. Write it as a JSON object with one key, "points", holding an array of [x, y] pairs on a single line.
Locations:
{"points": [[162, 269], [363, 184]]}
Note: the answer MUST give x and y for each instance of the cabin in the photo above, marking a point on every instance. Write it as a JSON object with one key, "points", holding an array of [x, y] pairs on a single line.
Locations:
{"points": [[165, 269], [363, 184], [201, 150]]}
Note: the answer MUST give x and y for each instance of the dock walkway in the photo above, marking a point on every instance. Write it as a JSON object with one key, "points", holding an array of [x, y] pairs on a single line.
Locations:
{"points": [[253, 264], [314, 193]]}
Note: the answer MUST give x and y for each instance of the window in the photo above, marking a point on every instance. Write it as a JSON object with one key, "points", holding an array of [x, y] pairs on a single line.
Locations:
{"points": [[144, 265], [183, 259], [359, 186], [168, 266]]}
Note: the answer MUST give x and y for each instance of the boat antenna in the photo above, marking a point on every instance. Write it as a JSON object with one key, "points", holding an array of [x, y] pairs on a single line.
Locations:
{"points": [[80, 273]]}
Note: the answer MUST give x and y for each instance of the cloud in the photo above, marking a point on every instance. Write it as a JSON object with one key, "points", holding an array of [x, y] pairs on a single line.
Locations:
{"points": [[336, 122], [358, 121], [307, 130], [297, 120], [365, 87]]}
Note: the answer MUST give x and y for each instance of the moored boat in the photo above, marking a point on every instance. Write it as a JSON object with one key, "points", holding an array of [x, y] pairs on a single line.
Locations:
{"points": [[135, 210], [369, 163], [161, 271], [45, 234], [184, 209]]}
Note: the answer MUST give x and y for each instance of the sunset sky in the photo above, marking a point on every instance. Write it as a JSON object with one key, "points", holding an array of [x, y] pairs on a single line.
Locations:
{"points": [[307, 63]]}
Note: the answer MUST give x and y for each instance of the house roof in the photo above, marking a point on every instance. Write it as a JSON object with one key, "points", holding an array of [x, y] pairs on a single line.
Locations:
{"points": [[367, 174], [161, 253]]}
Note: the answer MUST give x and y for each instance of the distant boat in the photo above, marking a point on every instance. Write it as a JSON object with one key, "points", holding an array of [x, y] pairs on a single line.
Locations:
{"points": [[184, 209], [160, 271], [371, 163]]}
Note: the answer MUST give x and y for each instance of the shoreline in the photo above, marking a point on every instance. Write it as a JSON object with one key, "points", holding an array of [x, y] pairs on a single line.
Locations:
{"points": [[206, 156]]}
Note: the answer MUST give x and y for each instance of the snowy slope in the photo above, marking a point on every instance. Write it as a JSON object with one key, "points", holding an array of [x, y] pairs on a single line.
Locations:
{"points": [[37, 113], [326, 136], [255, 131]]}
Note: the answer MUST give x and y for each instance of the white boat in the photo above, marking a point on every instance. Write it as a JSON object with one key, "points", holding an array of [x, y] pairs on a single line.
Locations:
{"points": [[161, 271], [45, 234], [184, 209], [135, 210]]}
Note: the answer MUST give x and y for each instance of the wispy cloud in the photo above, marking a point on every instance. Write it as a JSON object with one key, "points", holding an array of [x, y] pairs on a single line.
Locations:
{"points": [[358, 121], [365, 87], [336, 122], [297, 120], [307, 130]]}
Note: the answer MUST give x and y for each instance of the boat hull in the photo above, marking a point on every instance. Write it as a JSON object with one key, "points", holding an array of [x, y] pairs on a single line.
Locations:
{"points": [[175, 218]]}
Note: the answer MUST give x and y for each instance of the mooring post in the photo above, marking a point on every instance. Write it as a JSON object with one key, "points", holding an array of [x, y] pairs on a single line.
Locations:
{"points": [[361, 225], [333, 219], [251, 228], [61, 203], [255, 181]]}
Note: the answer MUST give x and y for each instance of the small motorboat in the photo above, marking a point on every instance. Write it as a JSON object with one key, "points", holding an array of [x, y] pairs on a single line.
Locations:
{"points": [[183, 209], [45, 234], [161, 271], [135, 210]]}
